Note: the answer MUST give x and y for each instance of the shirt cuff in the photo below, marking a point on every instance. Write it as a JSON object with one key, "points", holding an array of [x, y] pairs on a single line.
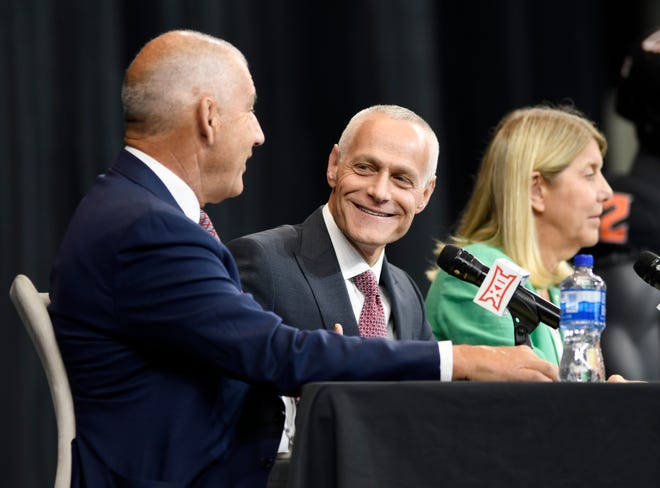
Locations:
{"points": [[446, 360]]}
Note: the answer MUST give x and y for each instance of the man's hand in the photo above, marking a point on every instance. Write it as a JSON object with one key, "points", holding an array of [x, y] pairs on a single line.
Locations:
{"points": [[617, 378], [501, 363]]}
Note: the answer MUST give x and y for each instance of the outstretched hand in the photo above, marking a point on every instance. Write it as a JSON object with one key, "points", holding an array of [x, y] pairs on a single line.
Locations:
{"points": [[501, 363]]}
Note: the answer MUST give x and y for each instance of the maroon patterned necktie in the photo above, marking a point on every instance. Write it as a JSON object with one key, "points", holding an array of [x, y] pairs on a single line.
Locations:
{"points": [[372, 317], [206, 223]]}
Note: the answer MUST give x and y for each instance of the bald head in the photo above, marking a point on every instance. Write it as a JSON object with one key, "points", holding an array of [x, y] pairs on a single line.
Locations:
{"points": [[171, 73], [189, 104]]}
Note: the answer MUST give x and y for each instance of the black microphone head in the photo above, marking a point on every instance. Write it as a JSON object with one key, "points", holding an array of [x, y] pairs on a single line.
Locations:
{"points": [[647, 268], [447, 256], [459, 263]]}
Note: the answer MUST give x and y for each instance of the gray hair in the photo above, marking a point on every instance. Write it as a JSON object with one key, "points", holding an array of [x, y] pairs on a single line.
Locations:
{"points": [[397, 113], [179, 70]]}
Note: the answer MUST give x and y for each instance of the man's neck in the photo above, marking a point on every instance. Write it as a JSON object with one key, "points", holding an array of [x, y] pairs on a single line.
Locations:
{"points": [[351, 261]]}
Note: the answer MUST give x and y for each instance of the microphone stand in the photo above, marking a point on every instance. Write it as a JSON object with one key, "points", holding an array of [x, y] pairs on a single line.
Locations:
{"points": [[525, 319], [521, 330]]}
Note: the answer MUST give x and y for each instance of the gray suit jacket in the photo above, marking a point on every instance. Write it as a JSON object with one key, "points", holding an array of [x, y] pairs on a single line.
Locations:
{"points": [[293, 271]]}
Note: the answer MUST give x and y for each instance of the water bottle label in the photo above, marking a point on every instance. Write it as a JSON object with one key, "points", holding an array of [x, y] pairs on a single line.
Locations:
{"points": [[583, 305]]}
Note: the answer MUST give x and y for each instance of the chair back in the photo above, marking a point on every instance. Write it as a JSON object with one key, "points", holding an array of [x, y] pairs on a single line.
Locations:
{"points": [[32, 308]]}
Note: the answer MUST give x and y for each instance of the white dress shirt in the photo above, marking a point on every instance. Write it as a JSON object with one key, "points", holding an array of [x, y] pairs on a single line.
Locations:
{"points": [[352, 264], [179, 189]]}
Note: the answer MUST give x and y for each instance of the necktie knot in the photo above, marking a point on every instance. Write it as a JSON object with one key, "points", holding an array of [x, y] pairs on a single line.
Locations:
{"points": [[207, 225], [372, 317], [366, 283]]}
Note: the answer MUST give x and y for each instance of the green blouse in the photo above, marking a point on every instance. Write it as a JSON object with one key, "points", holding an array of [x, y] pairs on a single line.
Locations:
{"points": [[454, 316]]}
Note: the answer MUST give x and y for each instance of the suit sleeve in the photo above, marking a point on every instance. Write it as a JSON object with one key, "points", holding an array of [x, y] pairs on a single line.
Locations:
{"points": [[176, 289]]}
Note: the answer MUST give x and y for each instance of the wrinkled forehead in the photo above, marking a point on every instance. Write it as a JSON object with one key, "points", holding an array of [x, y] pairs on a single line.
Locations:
{"points": [[382, 130]]}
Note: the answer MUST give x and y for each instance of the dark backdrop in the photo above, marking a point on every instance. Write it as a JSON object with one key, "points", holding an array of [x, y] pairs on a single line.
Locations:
{"points": [[460, 64]]}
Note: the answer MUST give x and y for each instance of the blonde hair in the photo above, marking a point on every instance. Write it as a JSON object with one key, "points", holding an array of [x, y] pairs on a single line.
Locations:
{"points": [[541, 138]]}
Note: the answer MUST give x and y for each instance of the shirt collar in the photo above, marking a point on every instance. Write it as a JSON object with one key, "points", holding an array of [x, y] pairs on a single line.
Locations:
{"points": [[351, 263], [181, 192]]}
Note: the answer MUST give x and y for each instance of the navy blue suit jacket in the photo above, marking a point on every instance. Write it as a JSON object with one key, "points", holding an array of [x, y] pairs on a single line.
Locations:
{"points": [[174, 371], [293, 271]]}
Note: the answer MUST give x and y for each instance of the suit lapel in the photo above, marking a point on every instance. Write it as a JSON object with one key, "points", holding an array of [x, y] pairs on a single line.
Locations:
{"points": [[399, 306], [129, 166], [135, 170], [318, 263]]}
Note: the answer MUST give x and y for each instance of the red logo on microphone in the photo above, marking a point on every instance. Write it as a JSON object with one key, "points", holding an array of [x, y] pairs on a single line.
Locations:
{"points": [[497, 289]]}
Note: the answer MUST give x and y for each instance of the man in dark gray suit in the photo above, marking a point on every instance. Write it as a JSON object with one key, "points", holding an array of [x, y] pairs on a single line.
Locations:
{"points": [[382, 173]]}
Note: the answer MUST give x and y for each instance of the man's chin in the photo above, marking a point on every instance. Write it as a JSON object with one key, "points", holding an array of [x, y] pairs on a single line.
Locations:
{"points": [[234, 192], [237, 192], [372, 240]]}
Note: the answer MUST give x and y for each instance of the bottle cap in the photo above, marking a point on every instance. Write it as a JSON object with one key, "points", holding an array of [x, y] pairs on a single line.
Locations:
{"points": [[583, 260]]}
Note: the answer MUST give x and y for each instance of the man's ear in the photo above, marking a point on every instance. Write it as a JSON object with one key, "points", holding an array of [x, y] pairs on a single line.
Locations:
{"points": [[537, 191], [333, 165], [426, 196], [207, 119]]}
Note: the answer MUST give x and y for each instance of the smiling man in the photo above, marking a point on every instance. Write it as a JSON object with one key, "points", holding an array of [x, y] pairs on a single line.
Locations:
{"points": [[382, 173]]}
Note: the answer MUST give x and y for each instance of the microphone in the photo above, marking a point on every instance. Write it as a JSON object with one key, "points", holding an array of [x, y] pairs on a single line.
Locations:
{"points": [[647, 268], [524, 303]]}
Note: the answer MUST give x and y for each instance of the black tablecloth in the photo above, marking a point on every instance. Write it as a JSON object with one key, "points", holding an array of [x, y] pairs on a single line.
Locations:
{"points": [[419, 434]]}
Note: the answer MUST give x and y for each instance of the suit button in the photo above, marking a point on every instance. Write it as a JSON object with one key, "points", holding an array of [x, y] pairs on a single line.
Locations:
{"points": [[266, 463]]}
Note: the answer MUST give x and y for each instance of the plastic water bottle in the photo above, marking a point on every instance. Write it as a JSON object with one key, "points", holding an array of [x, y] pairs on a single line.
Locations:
{"points": [[582, 320]]}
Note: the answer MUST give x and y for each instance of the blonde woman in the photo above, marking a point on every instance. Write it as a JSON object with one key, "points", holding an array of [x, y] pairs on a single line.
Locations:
{"points": [[537, 201]]}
